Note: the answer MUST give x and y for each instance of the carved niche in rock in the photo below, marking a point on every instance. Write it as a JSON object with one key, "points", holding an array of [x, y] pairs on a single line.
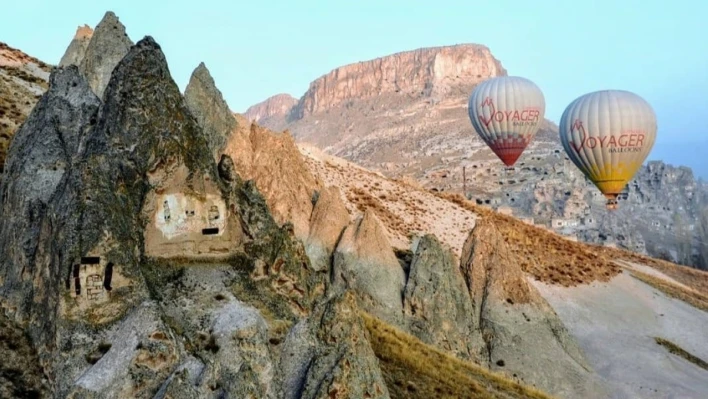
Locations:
{"points": [[189, 219]]}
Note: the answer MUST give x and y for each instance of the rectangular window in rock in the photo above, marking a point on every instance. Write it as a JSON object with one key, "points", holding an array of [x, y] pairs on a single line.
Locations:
{"points": [[90, 260], [210, 231]]}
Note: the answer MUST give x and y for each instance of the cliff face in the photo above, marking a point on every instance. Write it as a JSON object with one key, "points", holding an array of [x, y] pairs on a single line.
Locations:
{"points": [[433, 71], [279, 105], [23, 79]]}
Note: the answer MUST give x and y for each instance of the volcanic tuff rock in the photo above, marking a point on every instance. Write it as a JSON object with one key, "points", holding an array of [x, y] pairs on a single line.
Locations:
{"points": [[276, 166], [522, 333], [339, 360], [437, 303], [208, 105], [111, 309], [76, 51], [23, 79], [277, 106], [108, 45], [329, 218], [34, 190], [365, 263]]}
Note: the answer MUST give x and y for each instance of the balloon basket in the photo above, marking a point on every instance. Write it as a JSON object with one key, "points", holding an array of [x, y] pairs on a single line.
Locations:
{"points": [[611, 204]]}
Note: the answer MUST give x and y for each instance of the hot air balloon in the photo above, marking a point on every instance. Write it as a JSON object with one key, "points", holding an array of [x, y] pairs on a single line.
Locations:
{"points": [[608, 134], [506, 112]]}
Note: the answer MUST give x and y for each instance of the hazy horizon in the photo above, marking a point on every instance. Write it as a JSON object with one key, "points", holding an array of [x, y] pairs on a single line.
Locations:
{"points": [[259, 49]]}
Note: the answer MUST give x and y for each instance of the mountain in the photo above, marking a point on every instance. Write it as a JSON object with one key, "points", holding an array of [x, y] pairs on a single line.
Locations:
{"points": [[405, 115], [141, 257], [23, 79], [274, 107]]}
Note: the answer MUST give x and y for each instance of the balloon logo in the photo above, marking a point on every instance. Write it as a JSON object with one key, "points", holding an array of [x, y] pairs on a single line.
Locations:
{"points": [[608, 135], [506, 112]]}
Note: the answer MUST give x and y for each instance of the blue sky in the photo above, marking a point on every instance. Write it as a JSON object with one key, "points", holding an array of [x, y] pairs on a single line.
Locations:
{"points": [[657, 49]]}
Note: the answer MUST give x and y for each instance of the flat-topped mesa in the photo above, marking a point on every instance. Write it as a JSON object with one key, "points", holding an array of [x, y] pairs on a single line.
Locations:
{"points": [[278, 105], [428, 70]]}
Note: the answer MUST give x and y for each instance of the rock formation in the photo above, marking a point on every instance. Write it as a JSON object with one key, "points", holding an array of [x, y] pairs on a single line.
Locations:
{"points": [[432, 71], [436, 302], [107, 46], [522, 334], [365, 262], [273, 161], [139, 262], [23, 79], [338, 357], [77, 48], [277, 106], [329, 218], [43, 152], [208, 105]]}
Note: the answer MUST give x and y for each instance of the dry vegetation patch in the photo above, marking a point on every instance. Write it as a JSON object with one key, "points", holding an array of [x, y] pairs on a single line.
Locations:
{"points": [[679, 351], [413, 369], [694, 298], [694, 278], [545, 255], [553, 259]]}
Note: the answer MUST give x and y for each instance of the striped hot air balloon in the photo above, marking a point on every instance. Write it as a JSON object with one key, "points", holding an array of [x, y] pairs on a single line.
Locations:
{"points": [[506, 112], [608, 134]]}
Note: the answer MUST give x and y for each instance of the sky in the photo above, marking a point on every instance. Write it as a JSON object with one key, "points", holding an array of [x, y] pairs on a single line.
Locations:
{"points": [[255, 49]]}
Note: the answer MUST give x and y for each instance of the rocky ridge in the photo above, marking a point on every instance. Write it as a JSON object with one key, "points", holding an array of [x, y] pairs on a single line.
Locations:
{"points": [[276, 106], [405, 115]]}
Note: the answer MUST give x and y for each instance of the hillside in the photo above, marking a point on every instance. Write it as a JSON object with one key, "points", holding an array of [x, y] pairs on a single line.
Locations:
{"points": [[23, 79], [405, 115], [213, 256]]}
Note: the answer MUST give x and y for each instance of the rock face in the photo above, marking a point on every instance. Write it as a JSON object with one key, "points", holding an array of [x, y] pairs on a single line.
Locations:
{"points": [[76, 51], [436, 302], [428, 70], [522, 333], [273, 161], [42, 153], [20, 372], [140, 268], [108, 45], [208, 105], [329, 218], [365, 262], [23, 79], [278, 106], [342, 362]]}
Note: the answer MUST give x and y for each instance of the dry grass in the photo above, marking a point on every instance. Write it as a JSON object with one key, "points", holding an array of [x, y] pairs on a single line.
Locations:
{"points": [[363, 201], [695, 298], [413, 369], [543, 254], [694, 278], [553, 259], [678, 351]]}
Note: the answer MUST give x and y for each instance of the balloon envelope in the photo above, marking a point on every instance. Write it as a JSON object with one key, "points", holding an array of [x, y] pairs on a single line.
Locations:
{"points": [[608, 134], [506, 112]]}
